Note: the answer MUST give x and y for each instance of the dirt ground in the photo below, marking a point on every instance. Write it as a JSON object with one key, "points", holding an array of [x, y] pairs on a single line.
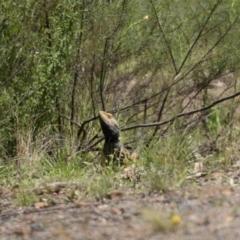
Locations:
{"points": [[208, 211]]}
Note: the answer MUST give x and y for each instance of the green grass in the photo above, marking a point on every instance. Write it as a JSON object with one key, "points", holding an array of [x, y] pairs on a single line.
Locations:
{"points": [[25, 198], [164, 165]]}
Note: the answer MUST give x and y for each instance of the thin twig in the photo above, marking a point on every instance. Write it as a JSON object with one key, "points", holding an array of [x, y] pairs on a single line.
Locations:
{"points": [[164, 38], [198, 37]]}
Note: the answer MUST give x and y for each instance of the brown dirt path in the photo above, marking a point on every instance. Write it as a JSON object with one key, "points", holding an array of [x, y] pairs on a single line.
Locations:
{"points": [[208, 212]]}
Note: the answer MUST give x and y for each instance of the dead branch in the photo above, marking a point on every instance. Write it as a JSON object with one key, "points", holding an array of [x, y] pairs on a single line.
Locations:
{"points": [[182, 114]]}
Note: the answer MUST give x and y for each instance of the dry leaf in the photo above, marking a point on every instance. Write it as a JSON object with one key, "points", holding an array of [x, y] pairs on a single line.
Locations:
{"points": [[129, 173], [114, 194], [216, 175], [77, 193], [81, 204], [198, 167], [41, 205], [200, 174], [116, 211], [23, 230]]}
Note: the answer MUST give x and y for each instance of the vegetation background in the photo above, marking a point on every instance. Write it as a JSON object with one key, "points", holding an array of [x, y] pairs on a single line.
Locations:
{"points": [[144, 61]]}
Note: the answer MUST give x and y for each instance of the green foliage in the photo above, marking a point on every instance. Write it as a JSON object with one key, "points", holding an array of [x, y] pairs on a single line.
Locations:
{"points": [[101, 186], [24, 198], [215, 120]]}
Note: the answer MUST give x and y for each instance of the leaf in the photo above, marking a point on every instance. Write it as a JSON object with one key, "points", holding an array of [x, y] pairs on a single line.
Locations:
{"points": [[114, 194], [198, 167], [39, 205]]}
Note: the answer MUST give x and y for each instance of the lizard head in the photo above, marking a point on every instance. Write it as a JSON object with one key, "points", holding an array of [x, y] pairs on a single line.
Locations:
{"points": [[109, 125]]}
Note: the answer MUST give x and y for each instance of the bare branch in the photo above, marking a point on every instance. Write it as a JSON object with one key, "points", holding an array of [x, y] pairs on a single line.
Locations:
{"points": [[183, 114]]}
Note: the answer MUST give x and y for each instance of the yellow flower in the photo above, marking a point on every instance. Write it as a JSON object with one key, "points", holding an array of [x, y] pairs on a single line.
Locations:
{"points": [[146, 17], [175, 219]]}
